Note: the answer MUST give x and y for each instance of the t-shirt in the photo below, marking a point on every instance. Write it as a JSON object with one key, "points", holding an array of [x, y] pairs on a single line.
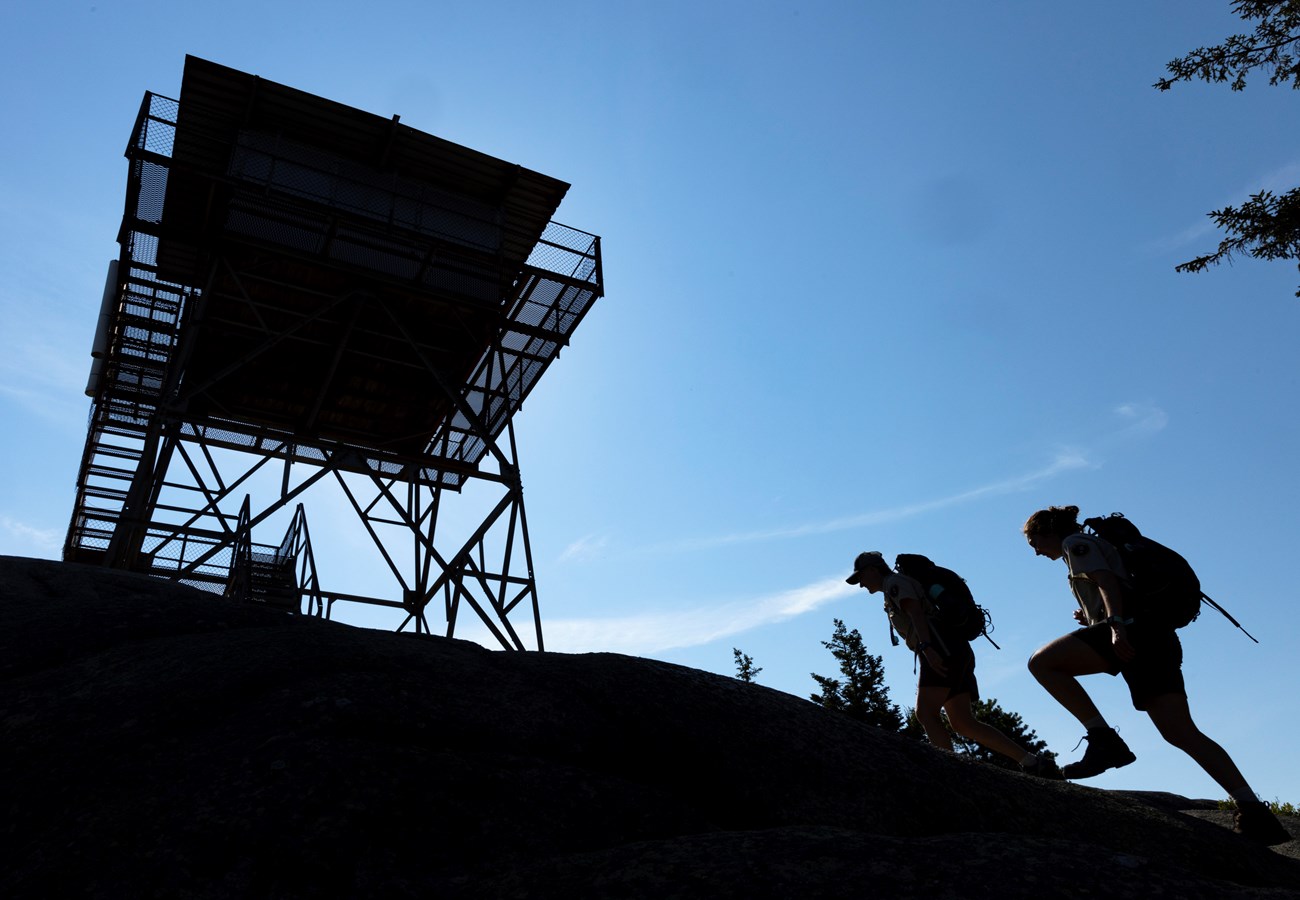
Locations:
{"points": [[897, 588], [1084, 553]]}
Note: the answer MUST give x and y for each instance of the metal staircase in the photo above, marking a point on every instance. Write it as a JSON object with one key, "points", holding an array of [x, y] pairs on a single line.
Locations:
{"points": [[134, 346], [281, 576]]}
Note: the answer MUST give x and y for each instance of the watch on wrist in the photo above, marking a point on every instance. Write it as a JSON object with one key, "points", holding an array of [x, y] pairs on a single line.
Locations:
{"points": [[1119, 620]]}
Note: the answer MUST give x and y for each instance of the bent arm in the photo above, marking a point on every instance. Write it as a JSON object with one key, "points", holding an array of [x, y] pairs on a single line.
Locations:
{"points": [[1112, 591], [920, 622], [921, 627], [1112, 596]]}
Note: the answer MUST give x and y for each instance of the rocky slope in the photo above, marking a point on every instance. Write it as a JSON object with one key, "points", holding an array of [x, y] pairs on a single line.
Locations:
{"points": [[158, 742]]}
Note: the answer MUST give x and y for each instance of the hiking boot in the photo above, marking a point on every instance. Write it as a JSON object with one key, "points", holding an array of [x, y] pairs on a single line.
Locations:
{"points": [[1044, 767], [1257, 822], [1106, 750]]}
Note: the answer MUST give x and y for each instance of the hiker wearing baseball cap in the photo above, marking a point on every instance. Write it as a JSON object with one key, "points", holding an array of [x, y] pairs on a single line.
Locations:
{"points": [[946, 683]]}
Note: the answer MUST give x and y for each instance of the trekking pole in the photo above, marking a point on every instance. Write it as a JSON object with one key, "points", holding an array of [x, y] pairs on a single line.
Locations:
{"points": [[1206, 597], [988, 626]]}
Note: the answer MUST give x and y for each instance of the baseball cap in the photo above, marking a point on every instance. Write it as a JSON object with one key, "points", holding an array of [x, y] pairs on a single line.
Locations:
{"points": [[871, 559]]}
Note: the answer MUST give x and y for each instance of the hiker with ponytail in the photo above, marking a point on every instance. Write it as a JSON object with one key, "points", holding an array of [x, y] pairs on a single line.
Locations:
{"points": [[1146, 652]]}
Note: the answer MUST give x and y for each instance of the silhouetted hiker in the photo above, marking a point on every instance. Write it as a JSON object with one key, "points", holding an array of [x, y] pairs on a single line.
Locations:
{"points": [[1147, 653], [947, 680]]}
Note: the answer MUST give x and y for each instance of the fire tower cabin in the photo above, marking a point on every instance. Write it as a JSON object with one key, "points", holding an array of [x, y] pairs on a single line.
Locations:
{"points": [[313, 291]]}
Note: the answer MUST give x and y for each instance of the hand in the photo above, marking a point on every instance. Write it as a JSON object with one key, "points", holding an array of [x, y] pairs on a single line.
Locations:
{"points": [[1119, 640], [1080, 617]]}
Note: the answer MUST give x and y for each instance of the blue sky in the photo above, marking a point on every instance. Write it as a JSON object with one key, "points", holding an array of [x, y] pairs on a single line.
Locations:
{"points": [[878, 277]]}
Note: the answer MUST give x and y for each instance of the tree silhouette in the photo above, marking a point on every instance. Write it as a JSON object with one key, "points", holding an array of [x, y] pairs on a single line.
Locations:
{"points": [[861, 693], [1267, 225], [912, 725], [990, 713], [746, 671]]}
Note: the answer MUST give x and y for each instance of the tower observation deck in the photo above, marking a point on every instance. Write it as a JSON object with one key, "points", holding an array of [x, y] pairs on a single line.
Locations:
{"points": [[312, 296]]}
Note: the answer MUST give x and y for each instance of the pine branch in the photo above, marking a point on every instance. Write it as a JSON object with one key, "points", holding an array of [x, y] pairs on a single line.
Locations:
{"points": [[1240, 53], [1266, 227]]}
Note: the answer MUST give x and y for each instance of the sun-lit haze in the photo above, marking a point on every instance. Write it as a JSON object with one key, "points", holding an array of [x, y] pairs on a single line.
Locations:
{"points": [[878, 276]]}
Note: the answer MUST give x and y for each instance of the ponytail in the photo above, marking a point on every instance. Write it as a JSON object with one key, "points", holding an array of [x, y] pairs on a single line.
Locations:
{"points": [[1057, 520]]}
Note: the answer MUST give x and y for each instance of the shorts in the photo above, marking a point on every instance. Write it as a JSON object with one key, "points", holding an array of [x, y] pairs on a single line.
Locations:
{"points": [[1155, 671], [961, 672]]}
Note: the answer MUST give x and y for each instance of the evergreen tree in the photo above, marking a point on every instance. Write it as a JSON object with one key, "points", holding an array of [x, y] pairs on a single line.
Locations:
{"points": [[1007, 722], [862, 693], [990, 713], [912, 725], [1267, 225], [746, 671]]}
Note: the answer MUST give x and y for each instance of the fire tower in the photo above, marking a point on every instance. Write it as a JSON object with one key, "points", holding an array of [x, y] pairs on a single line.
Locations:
{"points": [[311, 295]]}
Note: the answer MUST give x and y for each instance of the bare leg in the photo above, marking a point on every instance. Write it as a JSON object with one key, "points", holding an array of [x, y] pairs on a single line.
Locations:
{"points": [[964, 723], [1173, 718], [1057, 666], [929, 704]]}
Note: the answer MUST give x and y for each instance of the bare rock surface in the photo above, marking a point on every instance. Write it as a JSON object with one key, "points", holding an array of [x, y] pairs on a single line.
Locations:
{"points": [[158, 742]]}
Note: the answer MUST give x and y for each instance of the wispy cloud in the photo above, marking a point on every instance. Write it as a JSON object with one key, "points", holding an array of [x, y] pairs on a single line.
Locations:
{"points": [[652, 632], [1278, 181], [62, 408], [30, 540], [1065, 461], [658, 631], [1138, 420], [1195, 233], [1143, 420], [43, 376], [584, 548]]}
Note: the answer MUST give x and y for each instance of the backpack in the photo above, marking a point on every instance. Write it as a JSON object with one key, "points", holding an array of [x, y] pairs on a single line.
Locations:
{"points": [[1161, 584], [954, 610]]}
